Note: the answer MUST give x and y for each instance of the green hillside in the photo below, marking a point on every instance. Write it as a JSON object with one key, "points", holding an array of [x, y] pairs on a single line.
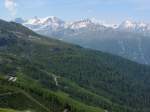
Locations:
{"points": [[7, 110], [44, 75]]}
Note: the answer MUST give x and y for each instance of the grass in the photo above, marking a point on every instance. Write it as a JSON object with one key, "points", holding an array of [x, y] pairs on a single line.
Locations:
{"points": [[8, 110]]}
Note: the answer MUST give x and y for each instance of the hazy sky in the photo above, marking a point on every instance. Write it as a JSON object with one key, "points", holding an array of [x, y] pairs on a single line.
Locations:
{"points": [[111, 11]]}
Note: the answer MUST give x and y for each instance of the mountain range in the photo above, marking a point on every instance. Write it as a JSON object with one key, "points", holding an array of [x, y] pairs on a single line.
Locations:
{"points": [[129, 39], [41, 74]]}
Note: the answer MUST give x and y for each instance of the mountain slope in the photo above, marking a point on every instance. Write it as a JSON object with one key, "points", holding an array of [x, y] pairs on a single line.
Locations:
{"points": [[7, 110], [37, 99], [64, 76], [129, 39]]}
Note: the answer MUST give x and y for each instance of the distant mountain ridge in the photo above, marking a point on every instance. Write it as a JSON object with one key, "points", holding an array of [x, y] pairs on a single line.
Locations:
{"points": [[129, 39], [51, 20]]}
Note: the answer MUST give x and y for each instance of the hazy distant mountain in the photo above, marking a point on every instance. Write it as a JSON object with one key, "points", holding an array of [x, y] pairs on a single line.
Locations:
{"points": [[135, 27], [129, 39]]}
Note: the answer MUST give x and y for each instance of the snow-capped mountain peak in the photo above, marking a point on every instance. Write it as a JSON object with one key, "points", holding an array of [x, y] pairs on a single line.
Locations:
{"points": [[128, 24], [51, 19], [33, 21], [141, 24], [44, 21], [136, 27], [47, 23], [81, 24]]}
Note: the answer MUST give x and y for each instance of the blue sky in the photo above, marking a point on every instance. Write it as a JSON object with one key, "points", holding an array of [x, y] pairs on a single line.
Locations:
{"points": [[110, 11]]}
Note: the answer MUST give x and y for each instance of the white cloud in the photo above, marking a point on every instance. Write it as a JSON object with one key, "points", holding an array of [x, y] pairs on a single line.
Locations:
{"points": [[11, 6]]}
